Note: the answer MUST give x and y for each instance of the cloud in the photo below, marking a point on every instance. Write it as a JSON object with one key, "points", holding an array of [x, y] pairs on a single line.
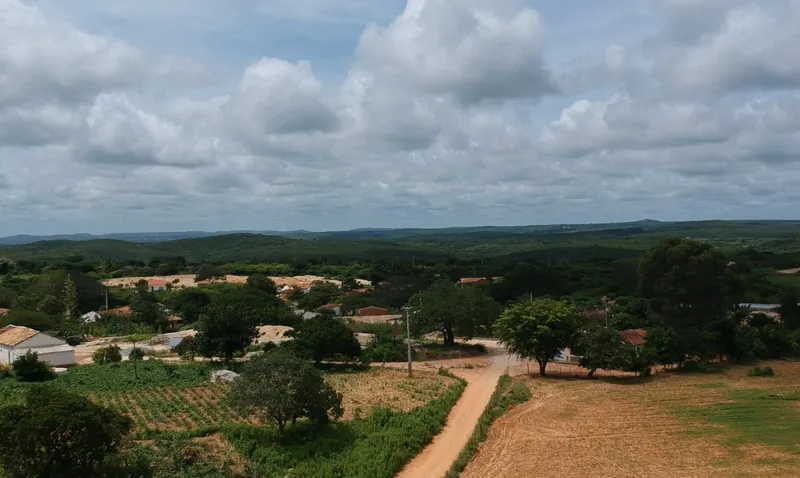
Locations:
{"points": [[278, 98], [118, 133], [474, 50], [48, 61]]}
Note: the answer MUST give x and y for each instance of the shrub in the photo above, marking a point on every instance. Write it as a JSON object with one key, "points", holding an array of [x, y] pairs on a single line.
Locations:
{"points": [[187, 348], [108, 354], [761, 372], [29, 368], [54, 433], [136, 354]]}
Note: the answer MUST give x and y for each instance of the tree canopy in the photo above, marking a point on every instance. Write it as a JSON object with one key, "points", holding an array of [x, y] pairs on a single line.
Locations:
{"points": [[280, 387], [59, 435], [453, 310], [537, 329], [603, 348], [325, 337], [224, 330]]}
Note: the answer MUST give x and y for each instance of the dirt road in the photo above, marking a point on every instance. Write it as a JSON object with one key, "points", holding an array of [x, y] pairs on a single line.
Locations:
{"points": [[436, 458]]}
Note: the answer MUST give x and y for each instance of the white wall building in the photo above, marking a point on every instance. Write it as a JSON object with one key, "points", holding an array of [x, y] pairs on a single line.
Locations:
{"points": [[90, 317], [16, 341]]}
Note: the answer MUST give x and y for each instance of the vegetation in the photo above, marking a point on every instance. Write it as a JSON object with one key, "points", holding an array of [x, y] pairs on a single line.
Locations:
{"points": [[325, 338], [57, 434], [539, 329], [452, 310], [226, 329], [761, 372], [280, 387], [506, 394], [110, 354], [29, 368], [603, 348]]}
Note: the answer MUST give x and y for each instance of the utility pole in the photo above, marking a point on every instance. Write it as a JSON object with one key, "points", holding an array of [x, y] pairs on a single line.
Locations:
{"points": [[408, 340], [135, 361], [106, 291]]}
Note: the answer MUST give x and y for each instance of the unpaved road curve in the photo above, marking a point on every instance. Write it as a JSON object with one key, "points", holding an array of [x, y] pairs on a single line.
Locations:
{"points": [[438, 457]]}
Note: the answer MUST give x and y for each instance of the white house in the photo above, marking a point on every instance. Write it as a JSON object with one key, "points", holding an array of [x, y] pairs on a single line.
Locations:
{"points": [[157, 285], [16, 341], [90, 317]]}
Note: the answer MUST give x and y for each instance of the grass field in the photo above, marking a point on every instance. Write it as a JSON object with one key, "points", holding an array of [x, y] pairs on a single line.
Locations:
{"points": [[723, 424]]}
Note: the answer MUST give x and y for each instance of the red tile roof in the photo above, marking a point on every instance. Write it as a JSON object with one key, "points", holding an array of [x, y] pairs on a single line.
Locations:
{"points": [[156, 282], [635, 337], [120, 312], [4, 312], [473, 280], [13, 335], [331, 306]]}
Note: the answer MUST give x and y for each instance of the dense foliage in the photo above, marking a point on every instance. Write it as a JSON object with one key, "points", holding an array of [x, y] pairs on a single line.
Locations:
{"points": [[537, 329], [325, 337], [28, 368], [56, 434], [280, 387], [109, 354], [224, 330]]}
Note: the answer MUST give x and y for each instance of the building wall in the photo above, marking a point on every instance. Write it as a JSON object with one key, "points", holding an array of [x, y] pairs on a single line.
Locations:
{"points": [[370, 311], [58, 359], [5, 355], [39, 340]]}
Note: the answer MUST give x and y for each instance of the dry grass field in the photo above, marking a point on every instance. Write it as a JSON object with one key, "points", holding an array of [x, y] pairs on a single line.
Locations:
{"points": [[723, 424], [187, 280], [180, 408]]}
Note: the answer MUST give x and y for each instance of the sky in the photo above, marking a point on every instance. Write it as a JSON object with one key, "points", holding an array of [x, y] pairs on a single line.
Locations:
{"points": [[331, 115]]}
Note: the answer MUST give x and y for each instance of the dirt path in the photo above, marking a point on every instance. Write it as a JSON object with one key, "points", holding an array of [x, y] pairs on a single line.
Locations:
{"points": [[436, 458]]}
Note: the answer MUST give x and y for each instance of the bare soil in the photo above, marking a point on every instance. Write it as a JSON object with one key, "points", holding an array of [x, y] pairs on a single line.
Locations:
{"points": [[628, 428]]}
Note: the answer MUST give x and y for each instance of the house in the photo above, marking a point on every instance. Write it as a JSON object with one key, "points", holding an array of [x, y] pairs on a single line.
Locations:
{"points": [[175, 322], [90, 317], [635, 337], [4, 312], [474, 281], [157, 285], [16, 341], [371, 311], [335, 308]]}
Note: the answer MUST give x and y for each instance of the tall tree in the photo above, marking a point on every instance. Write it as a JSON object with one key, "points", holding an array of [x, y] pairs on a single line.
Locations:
{"points": [[57, 434], [280, 387], [688, 283], [325, 337], [603, 348], [537, 329], [224, 330], [790, 311], [453, 310], [69, 297]]}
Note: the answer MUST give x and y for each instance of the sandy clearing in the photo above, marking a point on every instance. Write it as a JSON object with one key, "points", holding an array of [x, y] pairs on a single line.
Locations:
{"points": [[437, 458], [187, 280]]}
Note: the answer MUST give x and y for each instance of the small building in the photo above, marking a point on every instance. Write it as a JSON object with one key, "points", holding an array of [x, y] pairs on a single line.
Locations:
{"points": [[16, 341], [474, 281], [635, 337], [371, 311], [175, 322], [90, 317], [157, 285]]}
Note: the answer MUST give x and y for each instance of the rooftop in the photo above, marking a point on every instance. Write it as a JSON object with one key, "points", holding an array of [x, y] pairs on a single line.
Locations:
{"points": [[634, 337], [4, 312], [13, 335]]}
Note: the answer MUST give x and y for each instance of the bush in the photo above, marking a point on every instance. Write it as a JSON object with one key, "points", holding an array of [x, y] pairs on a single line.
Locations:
{"points": [[386, 348], [187, 348], [136, 354], [108, 354], [5, 371], [761, 372], [29, 368]]}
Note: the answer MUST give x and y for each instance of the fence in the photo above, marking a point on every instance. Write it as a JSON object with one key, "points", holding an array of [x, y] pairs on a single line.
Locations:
{"points": [[565, 369]]}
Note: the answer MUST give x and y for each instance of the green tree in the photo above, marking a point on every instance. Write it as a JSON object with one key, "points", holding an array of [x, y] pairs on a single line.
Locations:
{"points": [[225, 330], [146, 310], [263, 283], [209, 272], [110, 354], [790, 311], [325, 337], [280, 387], [603, 348], [688, 283], [7, 266], [188, 303], [59, 435], [29, 318], [51, 305], [69, 298], [537, 329], [187, 348], [453, 310], [320, 294], [29, 368]]}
